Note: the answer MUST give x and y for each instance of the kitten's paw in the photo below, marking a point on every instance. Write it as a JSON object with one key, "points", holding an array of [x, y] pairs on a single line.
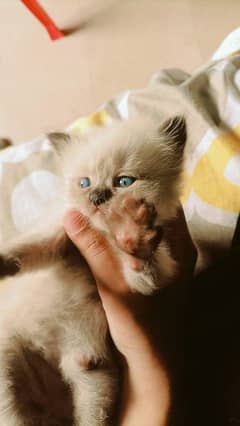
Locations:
{"points": [[9, 266], [134, 229]]}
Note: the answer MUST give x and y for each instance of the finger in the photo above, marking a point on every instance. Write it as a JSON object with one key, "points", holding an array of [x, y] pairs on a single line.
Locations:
{"points": [[117, 299], [96, 250]]}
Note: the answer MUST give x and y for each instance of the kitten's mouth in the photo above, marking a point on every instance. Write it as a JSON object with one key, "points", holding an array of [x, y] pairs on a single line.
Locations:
{"points": [[97, 210]]}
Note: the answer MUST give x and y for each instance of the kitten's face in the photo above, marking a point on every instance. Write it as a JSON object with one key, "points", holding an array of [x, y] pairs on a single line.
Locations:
{"points": [[127, 160]]}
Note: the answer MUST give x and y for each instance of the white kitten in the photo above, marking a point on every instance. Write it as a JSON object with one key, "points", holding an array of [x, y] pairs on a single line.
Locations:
{"points": [[126, 179]]}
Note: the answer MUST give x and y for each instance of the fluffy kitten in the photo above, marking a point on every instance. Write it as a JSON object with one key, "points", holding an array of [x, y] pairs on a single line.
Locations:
{"points": [[126, 179]]}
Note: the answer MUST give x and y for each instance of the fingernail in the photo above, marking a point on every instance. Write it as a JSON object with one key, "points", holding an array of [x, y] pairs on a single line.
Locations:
{"points": [[74, 222]]}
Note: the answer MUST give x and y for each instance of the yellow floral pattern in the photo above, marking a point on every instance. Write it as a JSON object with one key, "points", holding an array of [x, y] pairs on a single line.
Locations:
{"points": [[207, 179]]}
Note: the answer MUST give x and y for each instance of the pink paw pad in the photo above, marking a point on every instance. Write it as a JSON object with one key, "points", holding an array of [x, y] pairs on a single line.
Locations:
{"points": [[133, 227]]}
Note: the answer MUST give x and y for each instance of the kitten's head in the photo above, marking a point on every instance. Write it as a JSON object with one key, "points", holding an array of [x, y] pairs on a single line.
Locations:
{"points": [[125, 160]]}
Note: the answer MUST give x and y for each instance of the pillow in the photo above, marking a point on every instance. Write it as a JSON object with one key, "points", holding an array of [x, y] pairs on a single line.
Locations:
{"points": [[208, 99]]}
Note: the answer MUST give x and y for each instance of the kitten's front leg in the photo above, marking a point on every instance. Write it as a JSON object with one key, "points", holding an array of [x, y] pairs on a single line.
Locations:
{"points": [[32, 252], [146, 261]]}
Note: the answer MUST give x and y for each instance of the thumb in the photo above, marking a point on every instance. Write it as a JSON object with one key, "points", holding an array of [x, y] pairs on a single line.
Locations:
{"points": [[96, 250], [119, 303]]}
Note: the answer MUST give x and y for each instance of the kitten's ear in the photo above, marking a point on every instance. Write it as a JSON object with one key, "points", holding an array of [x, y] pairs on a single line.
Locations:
{"points": [[175, 130], [59, 141]]}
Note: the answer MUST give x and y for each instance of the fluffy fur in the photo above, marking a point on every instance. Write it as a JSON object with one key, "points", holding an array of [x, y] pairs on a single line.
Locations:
{"points": [[54, 337]]}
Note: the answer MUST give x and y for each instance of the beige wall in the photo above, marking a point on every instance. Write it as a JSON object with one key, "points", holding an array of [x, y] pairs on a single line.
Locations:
{"points": [[117, 44]]}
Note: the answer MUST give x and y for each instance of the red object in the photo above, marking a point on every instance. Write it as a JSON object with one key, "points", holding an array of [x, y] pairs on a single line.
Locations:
{"points": [[37, 10]]}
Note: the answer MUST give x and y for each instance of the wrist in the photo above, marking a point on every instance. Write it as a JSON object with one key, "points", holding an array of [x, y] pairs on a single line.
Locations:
{"points": [[147, 395], [150, 410]]}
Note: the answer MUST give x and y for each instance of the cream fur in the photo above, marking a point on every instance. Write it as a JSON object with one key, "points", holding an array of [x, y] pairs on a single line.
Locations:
{"points": [[55, 314]]}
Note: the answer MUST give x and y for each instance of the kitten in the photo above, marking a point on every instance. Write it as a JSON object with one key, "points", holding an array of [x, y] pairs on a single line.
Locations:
{"points": [[126, 179]]}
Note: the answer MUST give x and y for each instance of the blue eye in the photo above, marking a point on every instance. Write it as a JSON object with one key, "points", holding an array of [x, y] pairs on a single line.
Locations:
{"points": [[124, 181], [84, 182]]}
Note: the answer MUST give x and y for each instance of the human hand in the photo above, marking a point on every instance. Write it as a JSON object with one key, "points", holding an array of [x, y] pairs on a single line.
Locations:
{"points": [[146, 396]]}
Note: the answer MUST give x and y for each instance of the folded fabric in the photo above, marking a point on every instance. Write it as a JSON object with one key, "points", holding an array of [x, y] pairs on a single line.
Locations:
{"points": [[208, 99]]}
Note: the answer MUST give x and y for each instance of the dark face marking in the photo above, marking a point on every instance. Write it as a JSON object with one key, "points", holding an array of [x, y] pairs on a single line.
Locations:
{"points": [[9, 266], [100, 195]]}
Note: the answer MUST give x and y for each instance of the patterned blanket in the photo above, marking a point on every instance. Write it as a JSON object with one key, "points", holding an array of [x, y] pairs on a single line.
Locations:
{"points": [[210, 101]]}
